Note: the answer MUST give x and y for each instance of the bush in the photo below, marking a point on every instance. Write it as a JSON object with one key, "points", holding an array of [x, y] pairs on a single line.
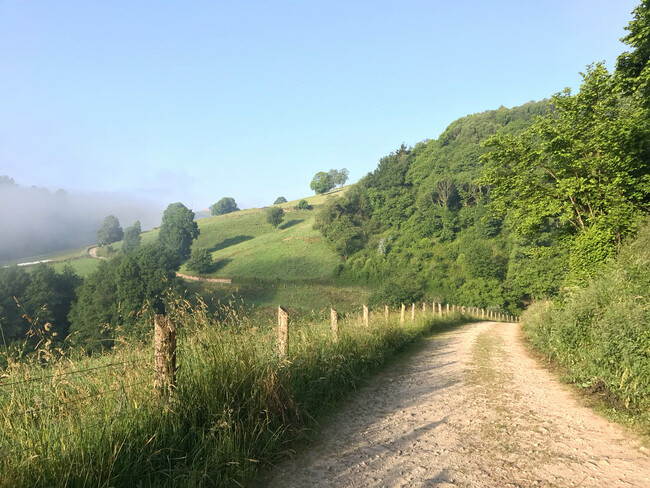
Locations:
{"points": [[600, 332], [303, 205], [200, 261], [274, 216], [280, 200]]}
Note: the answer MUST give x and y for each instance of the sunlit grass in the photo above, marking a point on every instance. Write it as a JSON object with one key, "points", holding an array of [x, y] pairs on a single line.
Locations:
{"points": [[237, 406]]}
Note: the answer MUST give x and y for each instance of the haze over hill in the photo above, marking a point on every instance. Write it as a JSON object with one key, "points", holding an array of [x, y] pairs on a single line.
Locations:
{"points": [[36, 221]]}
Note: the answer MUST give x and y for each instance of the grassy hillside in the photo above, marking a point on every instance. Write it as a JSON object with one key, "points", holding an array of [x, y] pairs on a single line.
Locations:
{"points": [[244, 245]]}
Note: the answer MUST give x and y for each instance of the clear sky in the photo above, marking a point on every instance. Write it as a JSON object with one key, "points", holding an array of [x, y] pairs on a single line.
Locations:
{"points": [[192, 101]]}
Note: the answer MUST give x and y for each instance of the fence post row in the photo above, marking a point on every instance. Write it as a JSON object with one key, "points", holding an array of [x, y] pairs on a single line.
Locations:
{"points": [[335, 324], [165, 356], [283, 332]]}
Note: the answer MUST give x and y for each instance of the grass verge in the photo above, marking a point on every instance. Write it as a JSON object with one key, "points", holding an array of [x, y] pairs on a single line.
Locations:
{"points": [[237, 406]]}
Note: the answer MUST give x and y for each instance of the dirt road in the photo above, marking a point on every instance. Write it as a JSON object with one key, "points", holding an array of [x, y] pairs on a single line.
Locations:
{"points": [[470, 409]]}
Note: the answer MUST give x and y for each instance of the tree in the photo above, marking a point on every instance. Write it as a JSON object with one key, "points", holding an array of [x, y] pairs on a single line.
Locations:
{"points": [[110, 231], [224, 206], [339, 177], [322, 183], [116, 299], [200, 260], [274, 216], [132, 237], [280, 200], [178, 229], [303, 205], [584, 167]]}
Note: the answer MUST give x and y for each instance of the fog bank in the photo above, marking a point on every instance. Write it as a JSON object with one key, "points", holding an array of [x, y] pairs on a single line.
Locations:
{"points": [[35, 221]]}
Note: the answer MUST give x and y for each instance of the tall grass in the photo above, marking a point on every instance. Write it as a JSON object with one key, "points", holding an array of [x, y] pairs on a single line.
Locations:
{"points": [[601, 333], [96, 422]]}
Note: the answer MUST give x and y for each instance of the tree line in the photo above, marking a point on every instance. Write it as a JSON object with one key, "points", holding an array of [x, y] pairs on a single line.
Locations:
{"points": [[508, 205]]}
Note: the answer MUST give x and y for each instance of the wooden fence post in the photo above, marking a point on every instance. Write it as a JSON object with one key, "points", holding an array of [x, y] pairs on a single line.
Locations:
{"points": [[335, 324], [440, 309], [424, 307], [283, 332], [386, 311], [447, 309], [165, 356], [462, 310], [401, 318], [412, 312], [366, 320]]}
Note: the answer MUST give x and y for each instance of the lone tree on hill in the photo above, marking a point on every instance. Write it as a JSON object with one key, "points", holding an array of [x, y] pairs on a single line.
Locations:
{"points": [[110, 231], [280, 200], [178, 228], [224, 206], [303, 205], [322, 183], [274, 216], [132, 237]]}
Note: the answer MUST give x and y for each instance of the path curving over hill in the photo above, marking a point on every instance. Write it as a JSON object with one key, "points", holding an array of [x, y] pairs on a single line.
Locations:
{"points": [[471, 408]]}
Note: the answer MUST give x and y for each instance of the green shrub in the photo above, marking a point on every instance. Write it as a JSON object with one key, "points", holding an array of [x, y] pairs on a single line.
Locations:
{"points": [[200, 261], [303, 205], [601, 332]]}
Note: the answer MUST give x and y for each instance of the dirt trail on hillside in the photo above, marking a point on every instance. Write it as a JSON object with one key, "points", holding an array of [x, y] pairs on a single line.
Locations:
{"points": [[470, 409]]}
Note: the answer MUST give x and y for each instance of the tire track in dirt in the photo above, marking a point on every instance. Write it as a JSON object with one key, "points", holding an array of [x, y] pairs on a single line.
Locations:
{"points": [[469, 409]]}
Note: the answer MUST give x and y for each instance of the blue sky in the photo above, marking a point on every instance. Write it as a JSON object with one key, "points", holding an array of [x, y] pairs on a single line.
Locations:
{"points": [[192, 101]]}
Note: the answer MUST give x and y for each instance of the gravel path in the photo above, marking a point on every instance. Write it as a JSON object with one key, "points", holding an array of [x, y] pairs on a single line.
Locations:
{"points": [[469, 409]]}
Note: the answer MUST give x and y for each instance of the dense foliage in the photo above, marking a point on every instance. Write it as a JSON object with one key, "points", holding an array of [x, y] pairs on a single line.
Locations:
{"points": [[322, 183], [110, 231], [29, 300], [178, 229], [303, 205], [601, 332], [121, 294], [200, 260], [132, 237], [421, 218], [508, 205], [274, 215], [280, 200], [224, 206]]}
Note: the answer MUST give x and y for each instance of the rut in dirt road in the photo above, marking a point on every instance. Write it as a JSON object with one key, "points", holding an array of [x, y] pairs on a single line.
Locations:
{"points": [[469, 409]]}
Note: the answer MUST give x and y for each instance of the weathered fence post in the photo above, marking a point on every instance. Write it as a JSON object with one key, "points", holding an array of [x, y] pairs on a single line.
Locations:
{"points": [[462, 310], [401, 318], [386, 311], [447, 309], [440, 309], [366, 320], [412, 312], [335, 324], [424, 307], [482, 313], [165, 356], [283, 332]]}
